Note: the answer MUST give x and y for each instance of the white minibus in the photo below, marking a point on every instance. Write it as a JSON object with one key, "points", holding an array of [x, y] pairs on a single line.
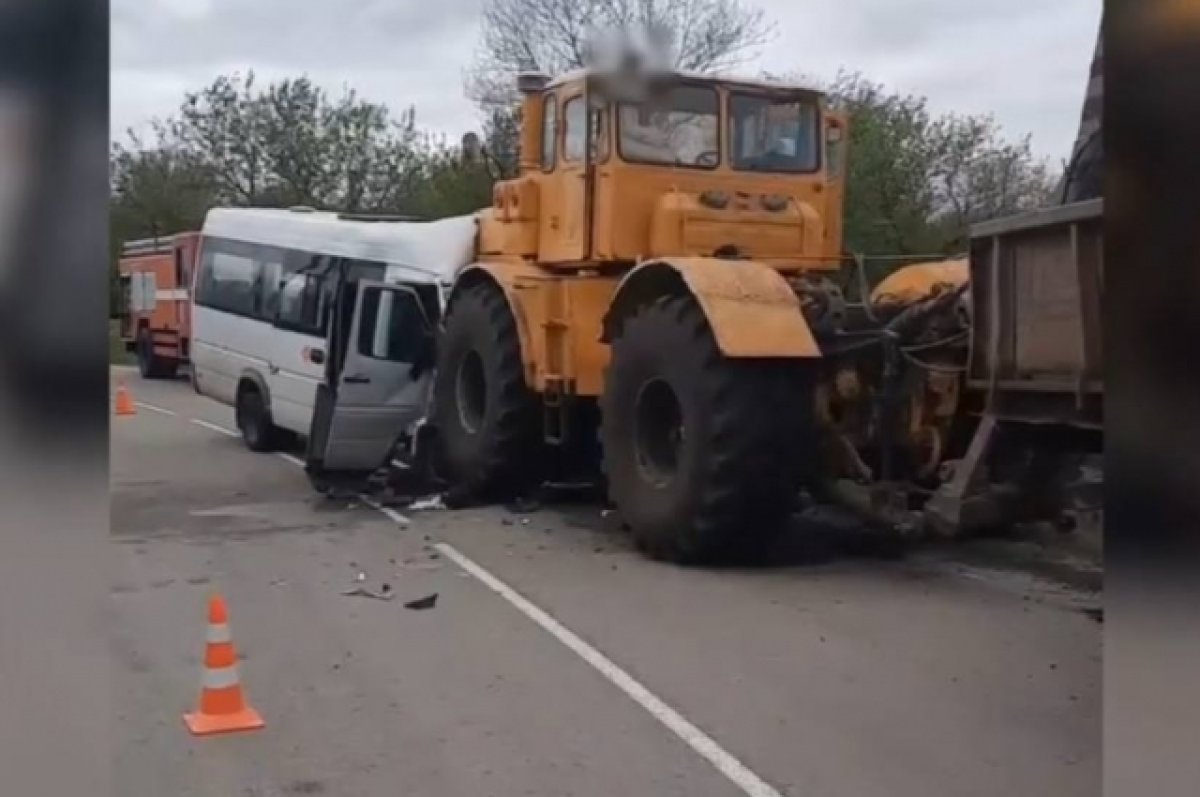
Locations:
{"points": [[321, 325]]}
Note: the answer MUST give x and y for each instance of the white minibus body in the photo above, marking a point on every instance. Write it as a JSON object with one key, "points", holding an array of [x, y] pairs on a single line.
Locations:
{"points": [[320, 325]]}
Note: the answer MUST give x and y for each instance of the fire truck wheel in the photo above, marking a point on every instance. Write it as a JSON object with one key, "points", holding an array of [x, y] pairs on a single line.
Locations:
{"points": [[704, 454], [484, 413], [150, 365]]}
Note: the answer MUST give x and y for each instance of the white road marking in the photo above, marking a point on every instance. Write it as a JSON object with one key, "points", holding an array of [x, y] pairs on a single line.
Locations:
{"points": [[152, 408], [299, 463], [729, 766], [704, 745], [395, 516], [387, 510], [214, 427]]}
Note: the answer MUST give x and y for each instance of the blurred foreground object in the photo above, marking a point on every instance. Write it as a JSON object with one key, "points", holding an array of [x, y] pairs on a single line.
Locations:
{"points": [[1152, 649], [53, 191]]}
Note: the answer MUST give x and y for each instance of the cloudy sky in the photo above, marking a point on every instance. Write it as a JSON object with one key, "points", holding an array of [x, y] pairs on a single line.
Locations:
{"points": [[1025, 61]]}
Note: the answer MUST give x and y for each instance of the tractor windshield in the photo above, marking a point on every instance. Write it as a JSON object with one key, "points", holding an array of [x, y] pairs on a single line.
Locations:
{"points": [[773, 134], [679, 126]]}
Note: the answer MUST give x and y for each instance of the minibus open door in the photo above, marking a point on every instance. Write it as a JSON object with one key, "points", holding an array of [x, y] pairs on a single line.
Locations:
{"points": [[378, 378]]}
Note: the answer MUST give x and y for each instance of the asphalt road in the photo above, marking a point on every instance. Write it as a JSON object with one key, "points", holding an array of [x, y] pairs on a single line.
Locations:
{"points": [[557, 661]]}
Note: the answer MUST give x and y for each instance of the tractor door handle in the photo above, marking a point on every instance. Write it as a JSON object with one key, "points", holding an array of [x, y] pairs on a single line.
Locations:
{"points": [[356, 379]]}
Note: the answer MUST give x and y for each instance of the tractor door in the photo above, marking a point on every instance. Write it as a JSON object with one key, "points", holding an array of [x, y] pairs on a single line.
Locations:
{"points": [[381, 341], [567, 206]]}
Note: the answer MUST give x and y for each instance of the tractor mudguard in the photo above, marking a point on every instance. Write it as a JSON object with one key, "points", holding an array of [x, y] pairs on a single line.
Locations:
{"points": [[750, 307]]}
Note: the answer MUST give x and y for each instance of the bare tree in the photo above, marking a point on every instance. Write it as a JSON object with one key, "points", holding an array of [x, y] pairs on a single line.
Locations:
{"points": [[977, 175], [556, 35]]}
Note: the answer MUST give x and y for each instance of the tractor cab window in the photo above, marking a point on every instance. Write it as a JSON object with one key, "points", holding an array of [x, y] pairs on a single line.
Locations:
{"points": [[549, 128], [574, 133], [772, 134], [678, 127]]}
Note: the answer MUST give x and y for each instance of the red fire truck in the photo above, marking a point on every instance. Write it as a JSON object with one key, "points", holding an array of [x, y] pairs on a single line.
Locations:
{"points": [[156, 278]]}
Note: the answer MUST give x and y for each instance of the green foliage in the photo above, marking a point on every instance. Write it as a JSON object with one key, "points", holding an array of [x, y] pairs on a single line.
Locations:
{"points": [[291, 144], [287, 144], [449, 183], [916, 181], [158, 188]]}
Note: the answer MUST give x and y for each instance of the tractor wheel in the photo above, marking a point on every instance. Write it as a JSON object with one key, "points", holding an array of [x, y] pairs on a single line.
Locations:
{"points": [[704, 455], [484, 413]]}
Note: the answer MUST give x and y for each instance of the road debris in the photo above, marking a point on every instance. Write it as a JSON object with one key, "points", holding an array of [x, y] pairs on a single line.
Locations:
{"points": [[364, 592], [279, 582], [429, 502], [428, 602]]}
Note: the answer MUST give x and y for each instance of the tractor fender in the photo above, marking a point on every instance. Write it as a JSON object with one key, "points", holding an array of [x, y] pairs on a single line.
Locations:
{"points": [[750, 307], [503, 275]]}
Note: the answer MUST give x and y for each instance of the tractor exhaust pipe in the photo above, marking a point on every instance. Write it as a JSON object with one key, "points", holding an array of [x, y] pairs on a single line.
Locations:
{"points": [[530, 85]]}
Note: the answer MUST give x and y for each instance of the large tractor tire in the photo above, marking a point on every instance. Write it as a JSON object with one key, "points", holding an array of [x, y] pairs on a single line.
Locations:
{"points": [[704, 455], [484, 413]]}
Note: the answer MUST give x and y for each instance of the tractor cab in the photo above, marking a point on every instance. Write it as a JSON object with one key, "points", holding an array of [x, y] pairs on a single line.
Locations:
{"points": [[616, 168]]}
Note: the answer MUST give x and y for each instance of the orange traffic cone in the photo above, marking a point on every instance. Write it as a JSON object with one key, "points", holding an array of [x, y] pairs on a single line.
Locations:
{"points": [[223, 708], [124, 401]]}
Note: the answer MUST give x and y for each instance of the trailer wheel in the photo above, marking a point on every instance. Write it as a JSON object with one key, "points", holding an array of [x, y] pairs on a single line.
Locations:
{"points": [[484, 414], [704, 455], [150, 365], [255, 423]]}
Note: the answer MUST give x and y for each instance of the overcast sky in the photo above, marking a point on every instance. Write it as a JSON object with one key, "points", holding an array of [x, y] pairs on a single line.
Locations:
{"points": [[1026, 61]]}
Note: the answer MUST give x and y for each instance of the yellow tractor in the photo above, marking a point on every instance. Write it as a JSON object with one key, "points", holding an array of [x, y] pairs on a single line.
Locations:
{"points": [[658, 290]]}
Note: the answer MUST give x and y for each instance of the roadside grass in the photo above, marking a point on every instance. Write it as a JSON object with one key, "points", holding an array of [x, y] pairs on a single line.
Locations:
{"points": [[116, 348]]}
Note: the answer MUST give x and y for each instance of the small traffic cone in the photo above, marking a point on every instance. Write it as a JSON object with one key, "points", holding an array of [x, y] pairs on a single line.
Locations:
{"points": [[223, 708], [124, 401]]}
